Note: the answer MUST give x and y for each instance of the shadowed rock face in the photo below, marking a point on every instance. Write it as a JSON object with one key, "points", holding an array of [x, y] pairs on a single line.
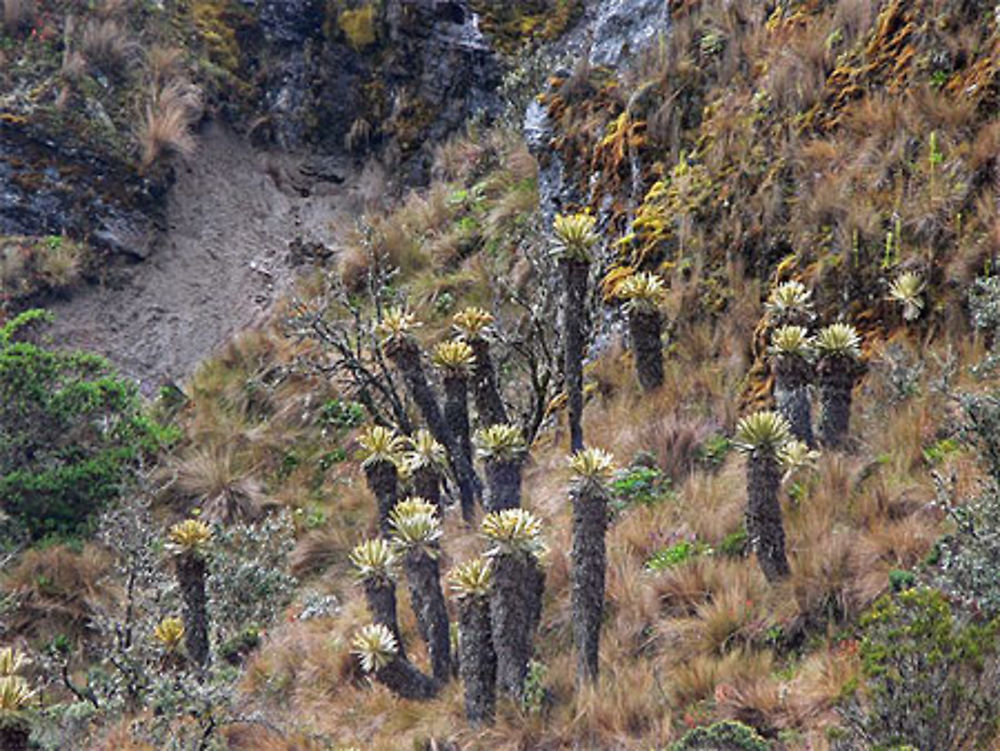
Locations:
{"points": [[52, 186]]}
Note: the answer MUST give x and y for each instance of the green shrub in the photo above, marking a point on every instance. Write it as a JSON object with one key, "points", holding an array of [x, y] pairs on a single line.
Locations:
{"points": [[929, 679], [674, 555], [71, 431], [639, 485], [722, 736]]}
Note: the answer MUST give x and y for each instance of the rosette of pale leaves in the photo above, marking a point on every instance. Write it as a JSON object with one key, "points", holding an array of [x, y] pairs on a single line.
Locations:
{"points": [[796, 456], [375, 647], [513, 530], [502, 442], [592, 470], [188, 536], [763, 431], [374, 559], [643, 292], [15, 694], [381, 444], [396, 325], [424, 451], [574, 236], [472, 579], [472, 322], [789, 298], [415, 526], [12, 661], [170, 633], [792, 341], [907, 289], [839, 340], [455, 356]]}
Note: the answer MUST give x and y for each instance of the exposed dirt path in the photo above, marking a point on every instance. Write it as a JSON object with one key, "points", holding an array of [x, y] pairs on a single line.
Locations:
{"points": [[220, 265]]}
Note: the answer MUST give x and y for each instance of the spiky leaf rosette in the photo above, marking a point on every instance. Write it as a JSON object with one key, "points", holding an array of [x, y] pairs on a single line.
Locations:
{"points": [[642, 292], [513, 530], [396, 325], [170, 633], [454, 356], [796, 456], [792, 341], [472, 323], [789, 300], [375, 647], [763, 431], [424, 451], [472, 579], [906, 289], [503, 442], [839, 340], [415, 526], [374, 559], [12, 661], [381, 444], [574, 236], [592, 469], [15, 694], [188, 536]]}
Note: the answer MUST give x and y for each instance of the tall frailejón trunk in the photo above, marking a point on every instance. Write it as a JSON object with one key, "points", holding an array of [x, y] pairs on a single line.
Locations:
{"points": [[575, 273], [836, 381], [764, 525], [426, 481], [514, 614], [477, 659], [406, 355], [14, 735], [646, 333], [590, 521], [503, 484], [792, 375], [191, 573], [380, 596], [456, 416], [383, 481], [485, 391], [403, 678], [423, 577]]}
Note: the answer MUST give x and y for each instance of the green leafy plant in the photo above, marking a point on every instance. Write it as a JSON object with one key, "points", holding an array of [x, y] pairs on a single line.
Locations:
{"points": [[71, 431], [674, 555], [928, 676], [727, 735]]}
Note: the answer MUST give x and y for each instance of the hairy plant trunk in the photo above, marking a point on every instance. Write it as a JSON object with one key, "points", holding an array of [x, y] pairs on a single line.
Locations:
{"points": [[402, 678], [477, 660], [514, 616], [423, 577], [485, 391], [836, 378], [764, 525], [575, 275], [407, 359], [456, 416], [380, 595], [646, 332], [191, 570], [791, 395], [427, 484], [14, 735], [590, 522], [383, 481], [503, 484]]}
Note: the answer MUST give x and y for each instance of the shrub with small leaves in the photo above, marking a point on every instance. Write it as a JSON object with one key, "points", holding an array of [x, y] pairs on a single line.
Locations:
{"points": [[727, 735], [929, 678]]}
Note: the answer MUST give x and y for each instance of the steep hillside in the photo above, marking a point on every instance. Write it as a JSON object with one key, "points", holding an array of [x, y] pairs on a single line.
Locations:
{"points": [[742, 252]]}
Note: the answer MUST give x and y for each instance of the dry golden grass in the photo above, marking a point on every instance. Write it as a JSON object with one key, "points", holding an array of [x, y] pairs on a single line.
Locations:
{"points": [[56, 591], [107, 44], [165, 128]]}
